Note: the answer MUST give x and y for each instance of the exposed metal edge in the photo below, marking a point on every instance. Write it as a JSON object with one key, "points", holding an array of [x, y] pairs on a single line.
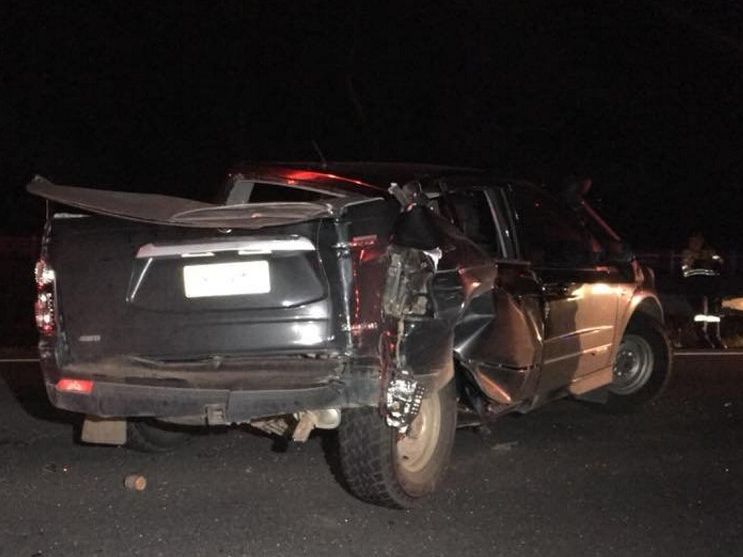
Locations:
{"points": [[300, 209], [245, 245], [360, 201]]}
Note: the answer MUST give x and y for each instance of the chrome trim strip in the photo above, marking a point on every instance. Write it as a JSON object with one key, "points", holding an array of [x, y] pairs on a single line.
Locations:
{"points": [[199, 254], [596, 349], [140, 278], [244, 246], [580, 332]]}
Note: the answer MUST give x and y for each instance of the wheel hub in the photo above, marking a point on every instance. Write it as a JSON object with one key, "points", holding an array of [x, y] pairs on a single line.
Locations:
{"points": [[416, 447], [633, 365]]}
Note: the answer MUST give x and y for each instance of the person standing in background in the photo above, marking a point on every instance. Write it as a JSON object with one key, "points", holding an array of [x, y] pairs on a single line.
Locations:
{"points": [[701, 267]]}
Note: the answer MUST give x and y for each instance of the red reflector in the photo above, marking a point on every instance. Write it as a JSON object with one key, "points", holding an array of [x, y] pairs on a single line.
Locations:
{"points": [[84, 386]]}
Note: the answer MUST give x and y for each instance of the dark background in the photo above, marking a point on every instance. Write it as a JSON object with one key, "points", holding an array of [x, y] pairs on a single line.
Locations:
{"points": [[643, 97]]}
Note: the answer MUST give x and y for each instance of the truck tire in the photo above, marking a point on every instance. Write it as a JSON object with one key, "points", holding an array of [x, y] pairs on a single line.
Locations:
{"points": [[642, 367], [382, 466], [151, 436]]}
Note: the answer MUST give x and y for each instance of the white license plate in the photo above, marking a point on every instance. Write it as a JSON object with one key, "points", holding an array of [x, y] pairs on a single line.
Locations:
{"points": [[226, 279]]}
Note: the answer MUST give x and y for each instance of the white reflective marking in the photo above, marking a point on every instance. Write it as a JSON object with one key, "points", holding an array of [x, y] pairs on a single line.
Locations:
{"points": [[89, 338], [252, 245], [59, 216], [704, 318], [699, 273]]}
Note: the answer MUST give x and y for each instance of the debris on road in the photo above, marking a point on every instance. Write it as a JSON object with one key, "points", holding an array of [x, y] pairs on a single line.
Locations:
{"points": [[135, 482], [503, 447]]}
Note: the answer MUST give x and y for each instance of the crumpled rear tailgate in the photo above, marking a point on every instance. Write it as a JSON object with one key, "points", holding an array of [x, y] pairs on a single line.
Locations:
{"points": [[176, 211]]}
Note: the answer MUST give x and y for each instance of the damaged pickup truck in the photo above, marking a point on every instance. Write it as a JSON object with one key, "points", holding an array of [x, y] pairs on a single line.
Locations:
{"points": [[381, 300]]}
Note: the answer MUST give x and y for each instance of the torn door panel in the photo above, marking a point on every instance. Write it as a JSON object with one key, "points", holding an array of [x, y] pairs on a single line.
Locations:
{"points": [[498, 335], [444, 305], [495, 328], [493, 316], [451, 301], [414, 336], [420, 302]]}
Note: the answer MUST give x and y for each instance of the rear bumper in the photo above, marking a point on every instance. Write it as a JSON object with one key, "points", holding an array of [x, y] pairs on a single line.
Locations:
{"points": [[212, 406], [234, 391]]}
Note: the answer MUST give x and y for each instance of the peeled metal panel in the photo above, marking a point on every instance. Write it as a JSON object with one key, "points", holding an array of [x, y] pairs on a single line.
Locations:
{"points": [[176, 211], [147, 207]]}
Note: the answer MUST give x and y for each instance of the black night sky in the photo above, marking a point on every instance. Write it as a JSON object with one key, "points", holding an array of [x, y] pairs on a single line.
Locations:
{"points": [[643, 97]]}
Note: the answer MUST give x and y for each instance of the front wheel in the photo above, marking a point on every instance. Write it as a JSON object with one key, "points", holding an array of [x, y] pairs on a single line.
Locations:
{"points": [[382, 466], [642, 367]]}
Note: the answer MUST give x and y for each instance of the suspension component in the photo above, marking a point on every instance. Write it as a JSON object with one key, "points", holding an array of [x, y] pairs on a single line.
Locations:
{"points": [[403, 398]]}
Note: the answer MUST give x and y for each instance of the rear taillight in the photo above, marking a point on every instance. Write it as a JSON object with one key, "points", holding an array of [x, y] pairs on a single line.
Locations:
{"points": [[82, 386], [44, 306]]}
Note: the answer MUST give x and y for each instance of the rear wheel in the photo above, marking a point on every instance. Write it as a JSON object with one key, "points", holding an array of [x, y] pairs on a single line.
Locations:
{"points": [[151, 436], [384, 467], [642, 367]]}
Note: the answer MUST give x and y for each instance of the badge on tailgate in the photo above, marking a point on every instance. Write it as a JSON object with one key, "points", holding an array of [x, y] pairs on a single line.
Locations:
{"points": [[226, 279]]}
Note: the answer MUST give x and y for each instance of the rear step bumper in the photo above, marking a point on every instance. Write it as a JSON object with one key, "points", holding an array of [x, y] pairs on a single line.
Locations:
{"points": [[212, 406]]}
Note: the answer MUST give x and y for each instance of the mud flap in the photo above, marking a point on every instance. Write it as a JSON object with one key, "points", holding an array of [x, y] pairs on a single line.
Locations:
{"points": [[104, 431]]}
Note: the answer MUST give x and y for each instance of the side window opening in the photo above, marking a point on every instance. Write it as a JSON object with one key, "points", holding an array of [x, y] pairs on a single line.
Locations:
{"points": [[247, 191], [550, 235], [470, 211], [610, 243]]}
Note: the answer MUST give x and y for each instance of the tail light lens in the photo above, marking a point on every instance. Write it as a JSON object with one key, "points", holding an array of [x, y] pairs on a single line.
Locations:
{"points": [[82, 386], [44, 306]]}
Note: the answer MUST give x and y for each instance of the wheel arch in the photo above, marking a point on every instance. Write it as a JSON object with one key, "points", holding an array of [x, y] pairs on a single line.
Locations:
{"points": [[646, 316], [647, 306]]}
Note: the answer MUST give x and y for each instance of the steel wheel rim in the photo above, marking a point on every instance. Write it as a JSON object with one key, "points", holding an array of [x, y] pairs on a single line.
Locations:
{"points": [[633, 365], [415, 449]]}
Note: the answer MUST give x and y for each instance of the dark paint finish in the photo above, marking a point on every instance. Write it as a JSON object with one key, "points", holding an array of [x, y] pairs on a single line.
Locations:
{"points": [[388, 289]]}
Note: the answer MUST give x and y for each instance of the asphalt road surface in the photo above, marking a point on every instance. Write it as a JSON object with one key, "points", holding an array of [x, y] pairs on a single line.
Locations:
{"points": [[565, 480]]}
